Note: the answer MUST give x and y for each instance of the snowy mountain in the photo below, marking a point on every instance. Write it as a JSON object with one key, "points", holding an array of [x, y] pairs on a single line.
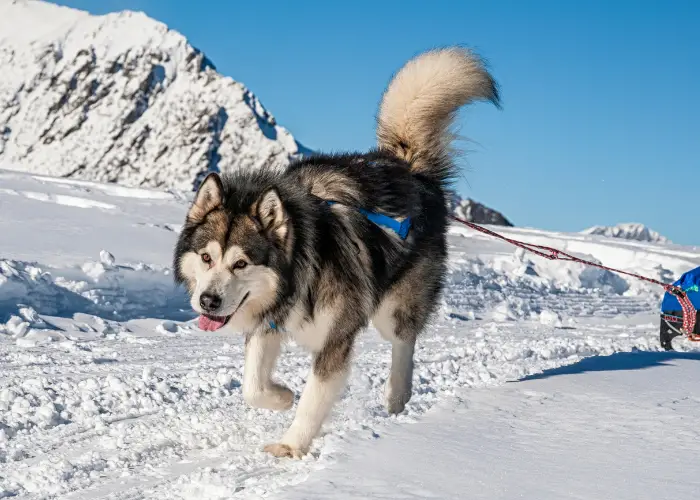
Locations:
{"points": [[474, 211], [628, 231], [122, 98]]}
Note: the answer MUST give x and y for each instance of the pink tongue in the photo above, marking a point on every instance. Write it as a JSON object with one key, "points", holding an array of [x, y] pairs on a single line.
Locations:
{"points": [[211, 323]]}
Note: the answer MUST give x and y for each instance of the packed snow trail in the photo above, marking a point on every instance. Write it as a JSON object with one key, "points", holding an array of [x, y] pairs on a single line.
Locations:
{"points": [[108, 389], [622, 426]]}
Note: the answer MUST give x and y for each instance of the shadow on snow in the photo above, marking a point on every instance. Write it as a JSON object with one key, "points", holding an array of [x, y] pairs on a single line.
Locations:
{"points": [[622, 361]]}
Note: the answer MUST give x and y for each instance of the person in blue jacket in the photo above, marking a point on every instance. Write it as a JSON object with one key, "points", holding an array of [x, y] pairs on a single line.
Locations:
{"points": [[671, 312]]}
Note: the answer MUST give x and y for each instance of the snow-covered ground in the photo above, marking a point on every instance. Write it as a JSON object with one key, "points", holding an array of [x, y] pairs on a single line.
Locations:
{"points": [[617, 427], [108, 389]]}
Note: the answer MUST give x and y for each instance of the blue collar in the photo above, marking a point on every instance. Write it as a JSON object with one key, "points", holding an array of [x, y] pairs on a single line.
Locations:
{"points": [[399, 227]]}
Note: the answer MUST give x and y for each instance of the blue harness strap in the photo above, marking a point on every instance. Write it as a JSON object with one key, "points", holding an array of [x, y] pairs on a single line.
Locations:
{"points": [[399, 227]]}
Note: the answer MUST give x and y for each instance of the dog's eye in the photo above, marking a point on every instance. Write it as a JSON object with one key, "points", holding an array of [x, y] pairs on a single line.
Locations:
{"points": [[206, 258], [240, 264]]}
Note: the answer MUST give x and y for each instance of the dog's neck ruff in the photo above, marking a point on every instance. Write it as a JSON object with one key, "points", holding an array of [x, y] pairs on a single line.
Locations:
{"points": [[399, 227]]}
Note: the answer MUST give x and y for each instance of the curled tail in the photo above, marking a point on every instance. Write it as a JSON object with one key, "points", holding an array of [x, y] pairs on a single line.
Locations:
{"points": [[420, 104]]}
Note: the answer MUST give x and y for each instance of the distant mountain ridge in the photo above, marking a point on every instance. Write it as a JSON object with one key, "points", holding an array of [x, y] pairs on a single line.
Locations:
{"points": [[628, 231]]}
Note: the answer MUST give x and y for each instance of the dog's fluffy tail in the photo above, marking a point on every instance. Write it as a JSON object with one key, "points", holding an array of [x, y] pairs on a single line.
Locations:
{"points": [[420, 104]]}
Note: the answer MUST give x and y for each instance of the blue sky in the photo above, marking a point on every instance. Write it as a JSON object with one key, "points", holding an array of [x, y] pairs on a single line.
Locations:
{"points": [[601, 116]]}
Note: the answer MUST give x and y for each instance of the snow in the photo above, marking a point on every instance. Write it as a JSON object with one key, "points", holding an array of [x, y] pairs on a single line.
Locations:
{"points": [[621, 426], [628, 231], [122, 98], [109, 390]]}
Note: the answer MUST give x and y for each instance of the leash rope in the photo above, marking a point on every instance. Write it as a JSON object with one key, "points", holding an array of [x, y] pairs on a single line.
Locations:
{"points": [[689, 313]]}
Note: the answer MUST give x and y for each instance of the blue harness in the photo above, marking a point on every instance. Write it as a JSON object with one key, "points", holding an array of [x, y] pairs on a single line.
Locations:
{"points": [[399, 227]]}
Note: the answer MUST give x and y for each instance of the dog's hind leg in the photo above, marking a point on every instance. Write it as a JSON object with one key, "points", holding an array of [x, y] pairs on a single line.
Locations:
{"points": [[397, 391], [400, 318], [259, 390]]}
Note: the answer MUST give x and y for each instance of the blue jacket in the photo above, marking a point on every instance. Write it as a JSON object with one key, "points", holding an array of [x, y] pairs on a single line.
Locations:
{"points": [[690, 283]]}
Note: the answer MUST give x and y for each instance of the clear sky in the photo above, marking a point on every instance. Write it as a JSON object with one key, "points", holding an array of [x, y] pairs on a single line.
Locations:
{"points": [[601, 99]]}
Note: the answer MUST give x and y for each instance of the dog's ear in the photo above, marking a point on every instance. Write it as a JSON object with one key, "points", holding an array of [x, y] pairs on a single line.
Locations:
{"points": [[210, 195], [272, 216]]}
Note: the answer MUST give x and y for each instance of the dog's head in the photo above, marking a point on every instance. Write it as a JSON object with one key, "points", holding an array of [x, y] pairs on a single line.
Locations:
{"points": [[232, 252]]}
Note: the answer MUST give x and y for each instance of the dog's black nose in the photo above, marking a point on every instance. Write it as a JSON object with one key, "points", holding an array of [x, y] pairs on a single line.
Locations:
{"points": [[209, 301]]}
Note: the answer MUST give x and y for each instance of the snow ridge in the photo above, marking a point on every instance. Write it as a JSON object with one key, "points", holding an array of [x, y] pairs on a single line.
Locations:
{"points": [[122, 98], [628, 231]]}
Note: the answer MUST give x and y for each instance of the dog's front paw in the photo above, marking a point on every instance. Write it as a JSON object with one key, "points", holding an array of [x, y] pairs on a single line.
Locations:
{"points": [[276, 398], [280, 450], [395, 405]]}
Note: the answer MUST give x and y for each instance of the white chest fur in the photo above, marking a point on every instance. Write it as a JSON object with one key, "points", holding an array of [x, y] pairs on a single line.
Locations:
{"points": [[307, 332]]}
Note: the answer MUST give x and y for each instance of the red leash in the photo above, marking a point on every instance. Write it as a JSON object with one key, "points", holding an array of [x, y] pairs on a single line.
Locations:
{"points": [[554, 254]]}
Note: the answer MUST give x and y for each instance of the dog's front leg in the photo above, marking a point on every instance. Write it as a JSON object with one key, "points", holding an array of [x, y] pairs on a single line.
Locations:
{"points": [[326, 380], [259, 390]]}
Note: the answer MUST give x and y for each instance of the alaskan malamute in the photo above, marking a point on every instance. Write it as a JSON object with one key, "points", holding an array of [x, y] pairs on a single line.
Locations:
{"points": [[319, 249]]}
